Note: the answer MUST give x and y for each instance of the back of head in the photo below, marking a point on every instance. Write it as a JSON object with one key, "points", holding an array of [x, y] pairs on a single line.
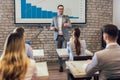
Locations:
{"points": [[111, 30], [20, 30], [14, 43], [14, 60], [76, 41], [76, 32]]}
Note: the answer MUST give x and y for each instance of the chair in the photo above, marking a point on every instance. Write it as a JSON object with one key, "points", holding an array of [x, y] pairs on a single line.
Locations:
{"points": [[71, 77], [114, 78], [82, 58]]}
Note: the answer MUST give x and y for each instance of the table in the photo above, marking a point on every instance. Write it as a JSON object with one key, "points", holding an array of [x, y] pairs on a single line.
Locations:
{"points": [[42, 71], [38, 53], [76, 69], [62, 52], [89, 53]]}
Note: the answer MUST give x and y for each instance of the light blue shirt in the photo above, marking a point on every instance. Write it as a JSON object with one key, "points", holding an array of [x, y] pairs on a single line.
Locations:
{"points": [[28, 51], [70, 46]]}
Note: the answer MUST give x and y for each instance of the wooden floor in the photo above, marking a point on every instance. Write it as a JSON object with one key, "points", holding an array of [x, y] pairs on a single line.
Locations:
{"points": [[54, 73]]}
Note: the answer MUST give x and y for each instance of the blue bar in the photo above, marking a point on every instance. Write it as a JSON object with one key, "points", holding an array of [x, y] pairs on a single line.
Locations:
{"points": [[23, 1], [23, 8], [54, 14], [44, 14], [39, 13], [34, 11], [28, 11], [49, 14]]}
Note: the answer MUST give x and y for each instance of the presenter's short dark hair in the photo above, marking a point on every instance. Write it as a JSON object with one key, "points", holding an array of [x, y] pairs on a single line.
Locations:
{"points": [[111, 30], [59, 6]]}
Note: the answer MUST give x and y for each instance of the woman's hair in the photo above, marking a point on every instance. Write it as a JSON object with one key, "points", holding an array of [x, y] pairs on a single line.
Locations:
{"points": [[14, 62], [20, 30], [76, 41]]}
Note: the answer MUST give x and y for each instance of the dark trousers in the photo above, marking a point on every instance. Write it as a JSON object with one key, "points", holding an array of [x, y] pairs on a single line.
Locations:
{"points": [[60, 42]]}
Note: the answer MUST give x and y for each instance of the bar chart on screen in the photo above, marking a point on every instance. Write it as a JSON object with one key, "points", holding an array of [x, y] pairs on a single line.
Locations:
{"points": [[42, 11]]}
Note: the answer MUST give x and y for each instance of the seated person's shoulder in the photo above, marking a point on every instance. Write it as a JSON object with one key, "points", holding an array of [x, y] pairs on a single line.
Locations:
{"points": [[101, 52], [32, 61], [83, 42], [27, 45], [70, 41]]}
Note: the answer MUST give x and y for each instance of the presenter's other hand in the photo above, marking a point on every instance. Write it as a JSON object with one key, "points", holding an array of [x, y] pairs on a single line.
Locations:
{"points": [[66, 24], [52, 28]]}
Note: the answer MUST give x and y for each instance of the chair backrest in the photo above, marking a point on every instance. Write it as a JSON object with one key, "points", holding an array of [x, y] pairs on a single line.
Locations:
{"points": [[116, 78], [82, 58]]}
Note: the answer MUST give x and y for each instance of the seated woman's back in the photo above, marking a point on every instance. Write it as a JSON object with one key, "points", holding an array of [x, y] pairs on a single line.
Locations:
{"points": [[72, 45], [31, 71], [14, 63], [76, 46]]}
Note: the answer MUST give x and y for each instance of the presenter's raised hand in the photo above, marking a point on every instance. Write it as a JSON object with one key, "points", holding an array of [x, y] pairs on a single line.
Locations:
{"points": [[52, 28], [66, 24]]}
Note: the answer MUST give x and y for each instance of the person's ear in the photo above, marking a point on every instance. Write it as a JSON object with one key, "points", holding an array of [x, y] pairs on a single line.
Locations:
{"points": [[105, 37]]}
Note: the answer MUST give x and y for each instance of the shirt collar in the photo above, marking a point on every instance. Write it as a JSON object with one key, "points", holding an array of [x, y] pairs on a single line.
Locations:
{"points": [[60, 15], [110, 44]]}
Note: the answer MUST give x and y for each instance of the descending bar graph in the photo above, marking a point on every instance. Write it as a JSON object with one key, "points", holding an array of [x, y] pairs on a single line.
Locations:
{"points": [[29, 11], [42, 11]]}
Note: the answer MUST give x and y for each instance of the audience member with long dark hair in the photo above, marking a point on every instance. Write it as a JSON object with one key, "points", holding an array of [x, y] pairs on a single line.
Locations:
{"points": [[29, 50], [76, 47]]}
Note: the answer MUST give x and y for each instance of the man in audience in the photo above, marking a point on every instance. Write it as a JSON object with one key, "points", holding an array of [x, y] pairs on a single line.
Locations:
{"points": [[59, 25], [106, 61]]}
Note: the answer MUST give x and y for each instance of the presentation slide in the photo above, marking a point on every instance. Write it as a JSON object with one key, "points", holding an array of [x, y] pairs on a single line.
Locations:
{"points": [[42, 11]]}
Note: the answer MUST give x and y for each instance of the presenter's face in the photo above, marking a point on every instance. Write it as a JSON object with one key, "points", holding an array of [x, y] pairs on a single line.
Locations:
{"points": [[60, 10]]}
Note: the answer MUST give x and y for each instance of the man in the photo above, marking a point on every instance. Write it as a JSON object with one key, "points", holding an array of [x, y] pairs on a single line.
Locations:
{"points": [[106, 61], [60, 26]]}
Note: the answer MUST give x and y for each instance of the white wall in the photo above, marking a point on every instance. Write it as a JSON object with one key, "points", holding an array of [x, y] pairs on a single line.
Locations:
{"points": [[116, 12]]}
